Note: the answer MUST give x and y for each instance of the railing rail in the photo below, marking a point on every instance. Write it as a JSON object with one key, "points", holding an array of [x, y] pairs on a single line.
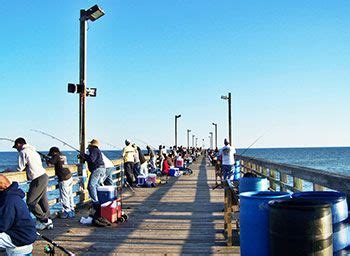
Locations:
{"points": [[80, 192]]}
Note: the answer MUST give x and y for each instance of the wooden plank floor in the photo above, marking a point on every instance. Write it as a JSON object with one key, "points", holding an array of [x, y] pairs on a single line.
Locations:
{"points": [[183, 216]]}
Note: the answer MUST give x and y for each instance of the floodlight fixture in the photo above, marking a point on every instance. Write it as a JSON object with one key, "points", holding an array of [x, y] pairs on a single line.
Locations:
{"points": [[94, 13]]}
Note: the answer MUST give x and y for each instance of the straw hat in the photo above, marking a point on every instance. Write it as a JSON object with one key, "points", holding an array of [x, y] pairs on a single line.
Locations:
{"points": [[94, 142]]}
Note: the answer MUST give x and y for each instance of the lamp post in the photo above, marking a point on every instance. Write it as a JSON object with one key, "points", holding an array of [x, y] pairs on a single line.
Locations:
{"points": [[228, 98], [92, 14], [216, 134], [196, 142], [188, 138], [193, 140], [176, 117], [211, 140]]}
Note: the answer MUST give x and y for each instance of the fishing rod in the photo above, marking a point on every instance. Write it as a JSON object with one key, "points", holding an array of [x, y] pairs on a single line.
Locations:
{"points": [[251, 145], [144, 142], [50, 250], [7, 139], [55, 138]]}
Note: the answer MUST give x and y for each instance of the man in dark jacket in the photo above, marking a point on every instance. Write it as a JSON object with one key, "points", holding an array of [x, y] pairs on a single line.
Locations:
{"points": [[17, 228], [96, 167]]}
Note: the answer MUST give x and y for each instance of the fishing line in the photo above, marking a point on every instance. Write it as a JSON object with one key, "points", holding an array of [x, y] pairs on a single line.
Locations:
{"points": [[55, 138]]}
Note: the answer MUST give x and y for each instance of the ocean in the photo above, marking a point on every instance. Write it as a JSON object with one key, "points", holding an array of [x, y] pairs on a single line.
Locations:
{"points": [[330, 159]]}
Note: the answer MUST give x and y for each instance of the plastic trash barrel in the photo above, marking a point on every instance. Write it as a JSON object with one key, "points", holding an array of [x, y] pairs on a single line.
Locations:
{"points": [[252, 184], [339, 207], [254, 221], [300, 227], [237, 170]]}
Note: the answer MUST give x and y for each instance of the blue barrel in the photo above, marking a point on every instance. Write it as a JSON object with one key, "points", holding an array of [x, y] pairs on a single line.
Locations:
{"points": [[339, 207], [254, 221], [236, 170], [253, 184]]}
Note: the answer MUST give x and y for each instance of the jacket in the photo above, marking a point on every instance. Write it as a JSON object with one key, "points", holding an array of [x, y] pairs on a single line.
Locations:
{"points": [[29, 160], [15, 219], [62, 172], [128, 154], [94, 159]]}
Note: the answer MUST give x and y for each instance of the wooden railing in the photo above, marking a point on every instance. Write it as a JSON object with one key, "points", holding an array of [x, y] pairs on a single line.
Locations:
{"points": [[80, 192], [281, 177]]}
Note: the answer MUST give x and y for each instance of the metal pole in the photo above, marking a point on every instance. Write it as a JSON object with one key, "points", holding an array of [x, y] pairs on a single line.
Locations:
{"points": [[229, 119], [175, 131], [82, 82], [193, 140], [188, 138], [196, 142], [216, 135]]}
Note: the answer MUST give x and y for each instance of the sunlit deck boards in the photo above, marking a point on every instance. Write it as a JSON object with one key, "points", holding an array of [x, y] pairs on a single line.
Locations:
{"points": [[183, 216]]}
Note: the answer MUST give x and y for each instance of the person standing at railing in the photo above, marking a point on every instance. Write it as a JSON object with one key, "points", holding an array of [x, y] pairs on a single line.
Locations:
{"points": [[17, 228], [128, 157], [152, 158], [137, 163], [65, 181], [29, 161], [228, 160], [143, 162], [108, 180], [98, 172]]}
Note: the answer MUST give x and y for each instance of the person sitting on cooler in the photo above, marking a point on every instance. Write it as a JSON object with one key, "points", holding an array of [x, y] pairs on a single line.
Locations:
{"points": [[17, 228]]}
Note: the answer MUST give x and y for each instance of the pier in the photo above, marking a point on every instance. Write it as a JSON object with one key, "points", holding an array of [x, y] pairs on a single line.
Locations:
{"points": [[183, 216]]}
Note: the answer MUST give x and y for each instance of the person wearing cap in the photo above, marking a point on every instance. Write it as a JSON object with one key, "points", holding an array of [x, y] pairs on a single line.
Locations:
{"points": [[17, 228], [227, 154], [29, 161], [97, 168], [65, 181], [128, 158], [137, 163]]}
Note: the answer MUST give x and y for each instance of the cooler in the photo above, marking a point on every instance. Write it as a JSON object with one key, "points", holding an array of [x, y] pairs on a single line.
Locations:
{"points": [[109, 211], [152, 178], [141, 180], [106, 194]]}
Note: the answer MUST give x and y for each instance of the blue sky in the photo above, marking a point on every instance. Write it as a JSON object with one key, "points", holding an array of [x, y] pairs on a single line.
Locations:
{"points": [[286, 64]]}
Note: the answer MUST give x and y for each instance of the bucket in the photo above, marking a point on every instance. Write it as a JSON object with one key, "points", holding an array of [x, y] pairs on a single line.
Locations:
{"points": [[106, 194], [339, 207], [253, 184], [300, 227], [254, 221]]}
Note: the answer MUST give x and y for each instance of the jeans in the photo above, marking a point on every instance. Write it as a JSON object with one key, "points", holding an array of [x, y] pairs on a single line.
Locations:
{"points": [[11, 249], [37, 199], [66, 193], [227, 171], [95, 180], [136, 169], [109, 177]]}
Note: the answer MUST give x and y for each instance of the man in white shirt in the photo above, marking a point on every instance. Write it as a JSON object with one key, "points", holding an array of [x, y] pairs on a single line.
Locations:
{"points": [[228, 160], [29, 161], [108, 180]]}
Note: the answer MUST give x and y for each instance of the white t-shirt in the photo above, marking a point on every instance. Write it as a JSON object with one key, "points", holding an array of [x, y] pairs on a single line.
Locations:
{"points": [[227, 153], [30, 161]]}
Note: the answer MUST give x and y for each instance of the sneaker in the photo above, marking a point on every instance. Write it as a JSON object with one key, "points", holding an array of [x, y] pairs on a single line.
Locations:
{"points": [[44, 225], [71, 214]]}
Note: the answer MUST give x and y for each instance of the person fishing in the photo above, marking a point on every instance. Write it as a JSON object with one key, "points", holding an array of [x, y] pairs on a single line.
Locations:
{"points": [[128, 157], [29, 161], [227, 160], [108, 180], [98, 172], [65, 181], [17, 228], [152, 158], [143, 162]]}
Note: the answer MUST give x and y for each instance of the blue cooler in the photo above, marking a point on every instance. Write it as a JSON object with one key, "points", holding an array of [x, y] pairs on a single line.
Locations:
{"points": [[172, 172], [141, 180], [106, 194]]}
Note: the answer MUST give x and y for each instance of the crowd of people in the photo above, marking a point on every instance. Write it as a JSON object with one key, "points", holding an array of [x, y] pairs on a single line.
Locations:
{"points": [[18, 229]]}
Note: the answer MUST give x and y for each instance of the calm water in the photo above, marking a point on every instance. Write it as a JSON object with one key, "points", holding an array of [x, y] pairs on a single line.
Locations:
{"points": [[333, 159], [329, 159]]}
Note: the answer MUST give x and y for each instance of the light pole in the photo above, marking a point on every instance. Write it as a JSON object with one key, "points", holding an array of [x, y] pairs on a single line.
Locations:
{"points": [[196, 142], [211, 140], [216, 134], [228, 98], [193, 140], [203, 143], [176, 117], [92, 14], [188, 138]]}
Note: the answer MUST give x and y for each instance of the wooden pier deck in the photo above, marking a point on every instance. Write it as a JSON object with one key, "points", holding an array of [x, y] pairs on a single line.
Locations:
{"points": [[183, 216]]}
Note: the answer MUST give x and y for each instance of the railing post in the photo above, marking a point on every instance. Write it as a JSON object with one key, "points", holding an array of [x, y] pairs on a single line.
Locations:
{"points": [[317, 187], [298, 184], [284, 180], [273, 177]]}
